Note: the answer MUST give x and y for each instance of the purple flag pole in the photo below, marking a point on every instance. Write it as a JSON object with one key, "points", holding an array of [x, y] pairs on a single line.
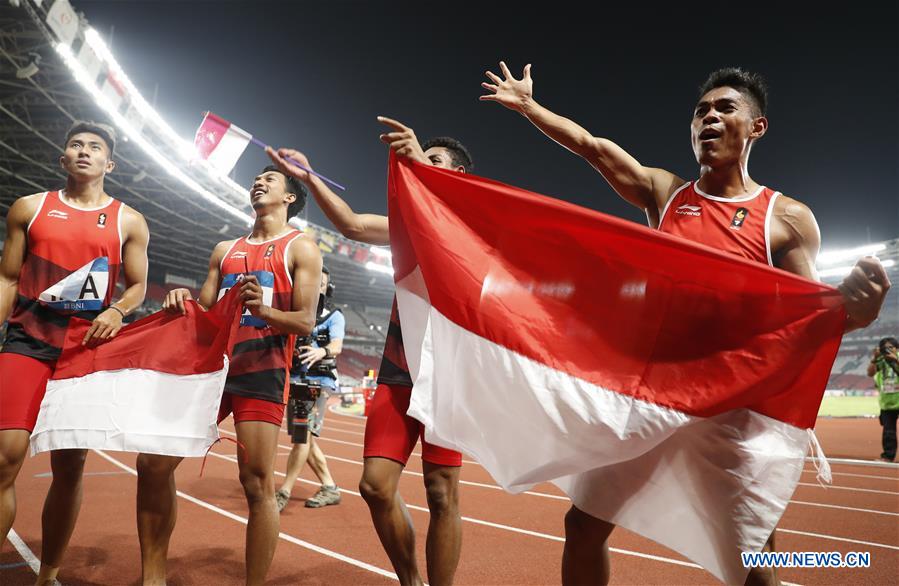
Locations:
{"points": [[264, 146]]}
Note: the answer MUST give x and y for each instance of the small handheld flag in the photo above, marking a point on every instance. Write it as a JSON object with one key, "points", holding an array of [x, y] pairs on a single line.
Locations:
{"points": [[221, 143]]}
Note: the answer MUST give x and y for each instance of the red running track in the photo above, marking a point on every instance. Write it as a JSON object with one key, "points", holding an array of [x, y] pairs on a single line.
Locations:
{"points": [[507, 539]]}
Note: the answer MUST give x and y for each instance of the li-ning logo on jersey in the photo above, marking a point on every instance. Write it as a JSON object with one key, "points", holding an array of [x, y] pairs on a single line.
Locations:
{"points": [[101, 220], [266, 280], [270, 251], [739, 218], [58, 214], [239, 254], [83, 290], [689, 210]]}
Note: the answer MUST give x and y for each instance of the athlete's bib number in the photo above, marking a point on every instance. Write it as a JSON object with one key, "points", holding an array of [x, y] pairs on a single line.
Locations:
{"points": [[266, 280], [83, 290]]}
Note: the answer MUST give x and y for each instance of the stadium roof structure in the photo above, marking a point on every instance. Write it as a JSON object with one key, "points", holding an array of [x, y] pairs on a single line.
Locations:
{"points": [[54, 69]]}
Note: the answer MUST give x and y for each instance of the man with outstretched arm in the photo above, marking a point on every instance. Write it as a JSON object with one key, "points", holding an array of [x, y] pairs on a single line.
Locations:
{"points": [[724, 208]]}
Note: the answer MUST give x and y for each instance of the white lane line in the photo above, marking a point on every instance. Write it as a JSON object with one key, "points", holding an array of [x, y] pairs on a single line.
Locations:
{"points": [[565, 498], [419, 474], [514, 529], [853, 509], [498, 525], [832, 538], [878, 477], [870, 463], [282, 535], [24, 551], [849, 488]]}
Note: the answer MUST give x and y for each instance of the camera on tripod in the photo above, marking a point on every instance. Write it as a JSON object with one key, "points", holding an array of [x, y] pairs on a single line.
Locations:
{"points": [[300, 403]]}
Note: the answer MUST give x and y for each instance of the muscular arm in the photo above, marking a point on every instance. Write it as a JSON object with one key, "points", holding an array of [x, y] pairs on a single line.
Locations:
{"points": [[795, 241], [14, 249], [369, 228], [305, 264], [647, 188], [134, 260], [795, 238]]}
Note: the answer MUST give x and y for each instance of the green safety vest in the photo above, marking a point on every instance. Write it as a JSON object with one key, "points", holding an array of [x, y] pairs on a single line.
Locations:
{"points": [[887, 381]]}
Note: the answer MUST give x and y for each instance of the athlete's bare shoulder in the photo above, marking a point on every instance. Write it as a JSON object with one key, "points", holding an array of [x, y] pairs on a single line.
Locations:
{"points": [[25, 207], [222, 247], [793, 218], [795, 238]]}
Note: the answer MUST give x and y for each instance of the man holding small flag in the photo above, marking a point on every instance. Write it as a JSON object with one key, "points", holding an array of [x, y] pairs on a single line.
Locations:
{"points": [[390, 434]]}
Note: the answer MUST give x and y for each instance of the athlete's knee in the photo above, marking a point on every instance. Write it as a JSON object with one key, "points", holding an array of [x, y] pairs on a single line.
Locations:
{"points": [[581, 528], [11, 459], [442, 491], [258, 483], [376, 491], [68, 465], [152, 468]]}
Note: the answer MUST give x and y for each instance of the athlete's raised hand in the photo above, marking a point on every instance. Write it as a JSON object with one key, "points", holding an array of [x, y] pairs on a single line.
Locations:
{"points": [[508, 91], [104, 327], [175, 299], [280, 158], [402, 140], [864, 290]]}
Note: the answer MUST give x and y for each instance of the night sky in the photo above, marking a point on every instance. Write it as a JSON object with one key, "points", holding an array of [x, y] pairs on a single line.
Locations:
{"points": [[315, 76]]}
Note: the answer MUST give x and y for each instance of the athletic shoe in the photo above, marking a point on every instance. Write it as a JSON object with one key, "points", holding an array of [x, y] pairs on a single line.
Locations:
{"points": [[282, 499], [326, 495]]}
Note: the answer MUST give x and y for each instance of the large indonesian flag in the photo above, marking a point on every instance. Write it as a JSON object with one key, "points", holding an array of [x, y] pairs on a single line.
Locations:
{"points": [[155, 388], [664, 386]]}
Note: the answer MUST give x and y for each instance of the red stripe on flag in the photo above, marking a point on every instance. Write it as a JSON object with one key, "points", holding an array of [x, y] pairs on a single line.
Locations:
{"points": [[171, 343], [616, 304], [210, 134]]}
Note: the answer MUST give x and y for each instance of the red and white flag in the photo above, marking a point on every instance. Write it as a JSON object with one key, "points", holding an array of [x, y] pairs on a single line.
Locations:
{"points": [[664, 386], [220, 142], [155, 388]]}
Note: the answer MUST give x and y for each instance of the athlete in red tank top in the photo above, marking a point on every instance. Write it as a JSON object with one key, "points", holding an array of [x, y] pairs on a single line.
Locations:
{"points": [[725, 208], [738, 226], [63, 255], [278, 271]]}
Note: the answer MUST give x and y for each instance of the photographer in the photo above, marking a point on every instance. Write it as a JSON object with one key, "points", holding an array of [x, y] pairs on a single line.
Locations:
{"points": [[884, 367], [315, 371]]}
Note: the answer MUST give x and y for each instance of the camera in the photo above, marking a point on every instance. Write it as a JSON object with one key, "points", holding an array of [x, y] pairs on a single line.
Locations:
{"points": [[300, 403], [325, 366]]}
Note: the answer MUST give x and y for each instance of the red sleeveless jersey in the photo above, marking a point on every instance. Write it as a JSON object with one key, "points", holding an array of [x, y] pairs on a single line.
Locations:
{"points": [[262, 355], [71, 269], [739, 226]]}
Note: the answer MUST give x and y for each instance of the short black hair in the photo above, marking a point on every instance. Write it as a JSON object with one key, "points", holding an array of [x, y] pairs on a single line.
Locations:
{"points": [[882, 344], [104, 131], [460, 155], [752, 85], [294, 186]]}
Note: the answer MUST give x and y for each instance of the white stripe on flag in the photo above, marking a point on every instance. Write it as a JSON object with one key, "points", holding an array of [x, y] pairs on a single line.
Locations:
{"points": [[229, 149], [131, 410], [707, 488]]}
